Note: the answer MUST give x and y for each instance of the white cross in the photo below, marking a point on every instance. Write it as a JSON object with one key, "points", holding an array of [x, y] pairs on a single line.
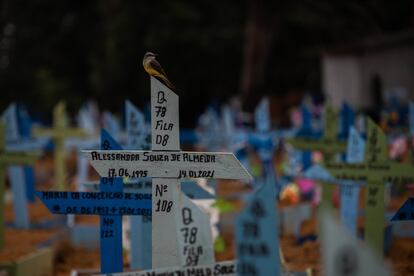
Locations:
{"points": [[166, 164]]}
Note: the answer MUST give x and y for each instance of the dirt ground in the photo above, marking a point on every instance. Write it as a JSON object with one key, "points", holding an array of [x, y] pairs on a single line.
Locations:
{"points": [[296, 256]]}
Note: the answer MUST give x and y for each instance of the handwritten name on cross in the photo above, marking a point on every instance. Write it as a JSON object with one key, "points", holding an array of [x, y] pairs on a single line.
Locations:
{"points": [[59, 133], [111, 203], [7, 159], [166, 164], [328, 145], [376, 171]]}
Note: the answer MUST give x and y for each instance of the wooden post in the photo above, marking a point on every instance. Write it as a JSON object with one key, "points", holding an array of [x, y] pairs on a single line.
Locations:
{"points": [[7, 159], [59, 133]]}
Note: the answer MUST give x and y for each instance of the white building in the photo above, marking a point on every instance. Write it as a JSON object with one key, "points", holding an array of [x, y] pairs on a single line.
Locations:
{"points": [[363, 73]]}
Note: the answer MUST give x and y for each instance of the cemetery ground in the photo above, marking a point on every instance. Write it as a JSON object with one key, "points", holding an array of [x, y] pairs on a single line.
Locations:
{"points": [[298, 253]]}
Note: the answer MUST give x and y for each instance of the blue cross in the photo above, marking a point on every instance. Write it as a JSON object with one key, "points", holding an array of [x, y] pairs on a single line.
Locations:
{"points": [[110, 203]]}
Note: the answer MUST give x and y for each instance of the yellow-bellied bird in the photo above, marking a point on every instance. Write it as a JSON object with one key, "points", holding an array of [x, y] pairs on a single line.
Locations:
{"points": [[153, 68]]}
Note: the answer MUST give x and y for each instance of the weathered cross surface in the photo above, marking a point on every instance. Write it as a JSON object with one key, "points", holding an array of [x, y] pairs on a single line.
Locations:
{"points": [[111, 203], [7, 159], [257, 237], [376, 171], [329, 145], [59, 133], [166, 165]]}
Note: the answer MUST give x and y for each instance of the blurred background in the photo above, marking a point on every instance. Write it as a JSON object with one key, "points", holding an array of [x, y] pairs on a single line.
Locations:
{"points": [[212, 51]]}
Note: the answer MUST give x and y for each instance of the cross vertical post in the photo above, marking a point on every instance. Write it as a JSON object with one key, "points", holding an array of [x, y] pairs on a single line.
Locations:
{"points": [[165, 192], [262, 139], [7, 159], [111, 226], [375, 151], [328, 145], [59, 133]]}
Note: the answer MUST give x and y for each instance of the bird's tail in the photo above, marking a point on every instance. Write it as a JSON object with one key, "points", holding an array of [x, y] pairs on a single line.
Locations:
{"points": [[165, 81]]}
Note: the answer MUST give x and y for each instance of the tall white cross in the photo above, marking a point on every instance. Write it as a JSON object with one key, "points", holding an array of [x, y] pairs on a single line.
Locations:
{"points": [[166, 164]]}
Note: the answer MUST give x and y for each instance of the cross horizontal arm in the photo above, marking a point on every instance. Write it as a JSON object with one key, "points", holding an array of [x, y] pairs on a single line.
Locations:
{"points": [[18, 158], [30, 144], [383, 171], [99, 203], [167, 164]]}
